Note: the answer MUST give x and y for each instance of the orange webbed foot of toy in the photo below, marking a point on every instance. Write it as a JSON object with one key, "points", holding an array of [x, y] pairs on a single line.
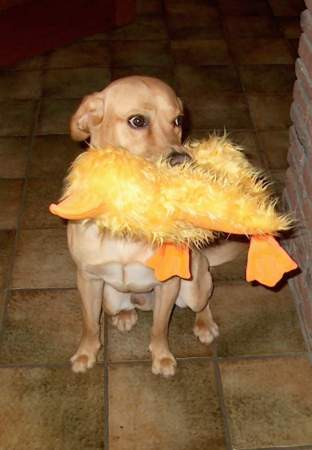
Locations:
{"points": [[267, 261], [171, 260]]}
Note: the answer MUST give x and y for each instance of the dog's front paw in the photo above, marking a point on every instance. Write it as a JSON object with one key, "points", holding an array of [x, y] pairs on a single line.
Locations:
{"points": [[164, 363], [85, 357], [206, 332], [125, 320], [164, 366]]}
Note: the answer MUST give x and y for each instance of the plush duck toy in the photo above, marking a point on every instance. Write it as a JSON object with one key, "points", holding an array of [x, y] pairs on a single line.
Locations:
{"points": [[177, 208]]}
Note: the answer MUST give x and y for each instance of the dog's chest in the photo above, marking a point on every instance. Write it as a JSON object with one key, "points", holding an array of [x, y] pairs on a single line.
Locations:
{"points": [[119, 263], [134, 277]]}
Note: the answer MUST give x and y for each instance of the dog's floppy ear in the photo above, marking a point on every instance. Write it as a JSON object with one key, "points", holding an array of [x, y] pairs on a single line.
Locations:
{"points": [[89, 114], [180, 103]]}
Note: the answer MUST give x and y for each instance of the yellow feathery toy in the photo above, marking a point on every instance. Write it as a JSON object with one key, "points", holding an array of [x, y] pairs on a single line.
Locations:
{"points": [[174, 208]]}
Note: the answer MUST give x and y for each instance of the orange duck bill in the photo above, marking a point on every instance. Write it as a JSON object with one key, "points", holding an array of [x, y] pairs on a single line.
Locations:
{"points": [[75, 207]]}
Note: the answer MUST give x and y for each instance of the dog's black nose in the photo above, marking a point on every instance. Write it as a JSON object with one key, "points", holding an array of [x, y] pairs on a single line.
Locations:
{"points": [[176, 158]]}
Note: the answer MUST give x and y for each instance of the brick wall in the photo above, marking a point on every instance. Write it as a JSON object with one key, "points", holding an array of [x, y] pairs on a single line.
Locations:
{"points": [[298, 192]]}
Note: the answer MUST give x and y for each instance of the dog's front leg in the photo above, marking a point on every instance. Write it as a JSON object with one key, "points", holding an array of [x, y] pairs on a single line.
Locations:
{"points": [[91, 291], [166, 294]]}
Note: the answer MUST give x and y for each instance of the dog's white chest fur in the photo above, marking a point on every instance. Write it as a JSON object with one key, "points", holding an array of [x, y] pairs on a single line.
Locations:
{"points": [[120, 263], [133, 277]]}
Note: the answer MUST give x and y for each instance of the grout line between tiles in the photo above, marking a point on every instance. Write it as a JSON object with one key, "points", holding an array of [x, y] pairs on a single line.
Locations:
{"points": [[106, 383], [46, 365], [263, 357], [213, 357], [149, 360], [34, 365], [106, 363], [224, 412], [299, 447]]}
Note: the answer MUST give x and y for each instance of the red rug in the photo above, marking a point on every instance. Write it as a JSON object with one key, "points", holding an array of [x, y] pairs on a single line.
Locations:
{"points": [[36, 26]]}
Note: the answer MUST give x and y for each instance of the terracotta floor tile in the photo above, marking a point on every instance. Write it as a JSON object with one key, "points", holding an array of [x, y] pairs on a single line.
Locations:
{"points": [[148, 412], [52, 409], [193, 8], [134, 345], [140, 53], [40, 193], [203, 133], [10, 198], [289, 8], [152, 7], [34, 63], [200, 52], [41, 327], [182, 26], [16, 117], [7, 238], [254, 320], [232, 271], [202, 81], [214, 112], [290, 27], [268, 79], [270, 111], [261, 51], [294, 46], [251, 26], [244, 7], [20, 85], [275, 147], [96, 37], [55, 115], [164, 73], [13, 157], [80, 54], [52, 155], [75, 83], [146, 28], [43, 261], [2, 304], [248, 141], [269, 402], [279, 179]]}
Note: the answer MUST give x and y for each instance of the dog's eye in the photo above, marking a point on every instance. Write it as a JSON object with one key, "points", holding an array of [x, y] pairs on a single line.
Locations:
{"points": [[138, 121], [178, 121]]}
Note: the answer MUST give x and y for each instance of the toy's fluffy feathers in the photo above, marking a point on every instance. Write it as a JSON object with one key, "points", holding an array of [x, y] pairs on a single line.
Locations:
{"points": [[218, 192]]}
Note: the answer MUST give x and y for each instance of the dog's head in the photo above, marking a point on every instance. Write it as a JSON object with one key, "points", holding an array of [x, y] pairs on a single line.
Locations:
{"points": [[141, 114]]}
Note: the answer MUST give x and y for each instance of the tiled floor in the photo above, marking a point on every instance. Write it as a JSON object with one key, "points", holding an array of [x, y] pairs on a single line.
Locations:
{"points": [[232, 62]]}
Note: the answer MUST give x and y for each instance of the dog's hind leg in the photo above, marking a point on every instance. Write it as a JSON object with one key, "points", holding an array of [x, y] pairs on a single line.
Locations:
{"points": [[91, 291], [196, 292], [125, 320], [205, 329], [119, 306]]}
